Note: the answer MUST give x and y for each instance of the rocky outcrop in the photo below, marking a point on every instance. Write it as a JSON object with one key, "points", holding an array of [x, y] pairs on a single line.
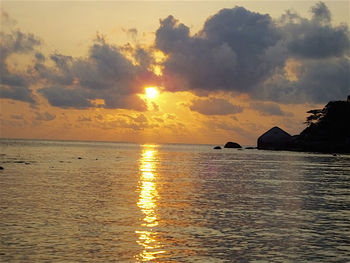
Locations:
{"points": [[232, 145], [328, 131], [275, 139]]}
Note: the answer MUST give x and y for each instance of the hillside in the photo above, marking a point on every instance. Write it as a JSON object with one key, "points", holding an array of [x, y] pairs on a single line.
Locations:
{"points": [[328, 129]]}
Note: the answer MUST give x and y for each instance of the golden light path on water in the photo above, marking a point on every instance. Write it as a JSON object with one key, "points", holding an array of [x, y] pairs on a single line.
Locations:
{"points": [[147, 203]]}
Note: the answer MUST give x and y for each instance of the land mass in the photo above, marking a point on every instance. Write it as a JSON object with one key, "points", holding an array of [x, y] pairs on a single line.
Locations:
{"points": [[328, 131]]}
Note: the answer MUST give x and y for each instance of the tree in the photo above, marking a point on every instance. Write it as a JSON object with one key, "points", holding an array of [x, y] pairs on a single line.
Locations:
{"points": [[315, 117]]}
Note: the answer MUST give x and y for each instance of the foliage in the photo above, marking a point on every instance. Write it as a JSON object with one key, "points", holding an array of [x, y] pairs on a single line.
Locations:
{"points": [[316, 116]]}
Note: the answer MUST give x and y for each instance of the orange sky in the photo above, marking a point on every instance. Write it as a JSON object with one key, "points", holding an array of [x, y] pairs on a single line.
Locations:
{"points": [[181, 112]]}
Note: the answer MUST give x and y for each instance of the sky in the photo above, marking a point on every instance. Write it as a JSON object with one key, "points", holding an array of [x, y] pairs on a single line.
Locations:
{"points": [[219, 70]]}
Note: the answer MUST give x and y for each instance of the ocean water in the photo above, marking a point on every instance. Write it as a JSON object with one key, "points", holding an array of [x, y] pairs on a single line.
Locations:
{"points": [[115, 202]]}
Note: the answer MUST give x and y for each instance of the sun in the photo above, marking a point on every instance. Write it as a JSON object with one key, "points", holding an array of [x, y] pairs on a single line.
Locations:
{"points": [[151, 92]]}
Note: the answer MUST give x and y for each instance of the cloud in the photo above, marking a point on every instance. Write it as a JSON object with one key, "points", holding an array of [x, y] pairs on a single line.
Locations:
{"points": [[214, 106], [290, 60], [315, 56], [105, 74], [136, 123], [246, 52], [60, 96], [320, 81], [140, 118], [225, 55], [17, 116], [321, 13], [268, 109], [131, 33], [15, 85], [155, 106], [46, 116], [84, 119], [315, 38], [6, 20], [21, 93], [158, 119]]}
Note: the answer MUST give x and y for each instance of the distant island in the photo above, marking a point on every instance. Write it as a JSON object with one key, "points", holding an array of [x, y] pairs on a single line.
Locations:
{"points": [[328, 131]]}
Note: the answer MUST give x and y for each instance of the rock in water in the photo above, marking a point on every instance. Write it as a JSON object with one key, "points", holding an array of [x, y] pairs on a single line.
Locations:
{"points": [[275, 139], [232, 145]]}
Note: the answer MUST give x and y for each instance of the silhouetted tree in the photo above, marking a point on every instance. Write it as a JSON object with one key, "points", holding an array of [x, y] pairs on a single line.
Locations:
{"points": [[316, 116]]}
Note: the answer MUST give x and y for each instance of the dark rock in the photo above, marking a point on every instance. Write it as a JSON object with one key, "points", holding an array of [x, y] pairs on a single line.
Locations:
{"points": [[250, 148], [80, 158], [275, 139], [217, 148], [1, 168], [232, 145], [328, 130]]}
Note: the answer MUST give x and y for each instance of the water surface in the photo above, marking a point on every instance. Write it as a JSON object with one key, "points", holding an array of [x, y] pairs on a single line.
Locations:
{"points": [[115, 202]]}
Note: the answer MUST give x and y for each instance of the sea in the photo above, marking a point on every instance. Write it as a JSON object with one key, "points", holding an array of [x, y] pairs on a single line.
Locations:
{"points": [[70, 201]]}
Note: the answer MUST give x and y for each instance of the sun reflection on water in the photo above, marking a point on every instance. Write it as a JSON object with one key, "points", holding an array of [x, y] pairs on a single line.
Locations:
{"points": [[147, 203]]}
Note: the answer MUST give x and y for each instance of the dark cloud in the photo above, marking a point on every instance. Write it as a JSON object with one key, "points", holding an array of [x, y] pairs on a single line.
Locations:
{"points": [[225, 55], [214, 106], [320, 81], [242, 51], [268, 109], [105, 74], [39, 57], [60, 96], [315, 38], [17, 42], [321, 13], [21, 93], [15, 85]]}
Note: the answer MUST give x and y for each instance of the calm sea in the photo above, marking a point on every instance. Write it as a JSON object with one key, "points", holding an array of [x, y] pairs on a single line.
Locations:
{"points": [[115, 202]]}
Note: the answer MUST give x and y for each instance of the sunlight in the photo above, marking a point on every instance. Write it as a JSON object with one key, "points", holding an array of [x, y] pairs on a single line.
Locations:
{"points": [[151, 92], [148, 196]]}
